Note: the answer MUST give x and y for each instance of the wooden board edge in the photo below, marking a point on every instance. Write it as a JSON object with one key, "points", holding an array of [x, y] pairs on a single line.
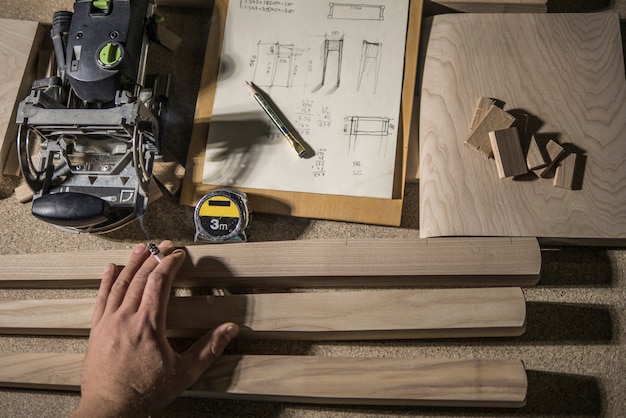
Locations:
{"points": [[400, 314], [464, 382]]}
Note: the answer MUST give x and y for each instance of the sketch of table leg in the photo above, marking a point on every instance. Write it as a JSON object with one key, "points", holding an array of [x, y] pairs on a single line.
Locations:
{"points": [[370, 63], [332, 47], [374, 127]]}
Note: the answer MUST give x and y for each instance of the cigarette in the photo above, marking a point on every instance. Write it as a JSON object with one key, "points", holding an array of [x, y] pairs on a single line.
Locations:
{"points": [[154, 250]]}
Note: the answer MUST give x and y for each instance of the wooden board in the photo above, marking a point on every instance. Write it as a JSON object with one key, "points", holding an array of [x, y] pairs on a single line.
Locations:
{"points": [[565, 69], [351, 315], [357, 262], [496, 6], [344, 208], [308, 379], [19, 42]]}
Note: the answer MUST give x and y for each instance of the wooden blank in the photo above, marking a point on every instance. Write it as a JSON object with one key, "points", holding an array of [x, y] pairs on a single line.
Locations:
{"points": [[19, 43], [554, 152], [482, 107], [309, 205], [494, 119], [334, 262], [309, 379], [348, 315], [507, 151], [535, 158], [564, 175], [533, 63]]}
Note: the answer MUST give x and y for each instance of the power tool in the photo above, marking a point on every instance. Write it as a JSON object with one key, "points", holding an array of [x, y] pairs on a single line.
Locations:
{"points": [[89, 135]]}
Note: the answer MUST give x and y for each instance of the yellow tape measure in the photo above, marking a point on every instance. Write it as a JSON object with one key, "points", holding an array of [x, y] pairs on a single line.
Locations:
{"points": [[222, 216]]}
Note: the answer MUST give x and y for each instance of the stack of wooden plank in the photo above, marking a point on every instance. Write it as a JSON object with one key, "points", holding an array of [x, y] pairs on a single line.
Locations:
{"points": [[491, 304]]}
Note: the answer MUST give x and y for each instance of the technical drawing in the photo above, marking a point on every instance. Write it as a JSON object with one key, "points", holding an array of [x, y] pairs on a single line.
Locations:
{"points": [[356, 11], [276, 64], [370, 63], [331, 62], [370, 128]]}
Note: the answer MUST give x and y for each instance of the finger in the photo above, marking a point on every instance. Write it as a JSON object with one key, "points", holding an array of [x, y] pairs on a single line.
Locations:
{"points": [[108, 278], [157, 289], [134, 293], [208, 348], [119, 288]]}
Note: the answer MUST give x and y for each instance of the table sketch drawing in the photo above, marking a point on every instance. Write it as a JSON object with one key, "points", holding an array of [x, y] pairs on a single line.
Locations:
{"points": [[320, 63]]}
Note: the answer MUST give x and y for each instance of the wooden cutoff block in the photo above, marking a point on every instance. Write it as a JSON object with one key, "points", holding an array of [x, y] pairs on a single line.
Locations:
{"points": [[312, 379], [535, 158], [507, 152], [554, 151], [348, 315], [463, 261], [564, 174], [170, 174], [494, 120], [483, 105]]}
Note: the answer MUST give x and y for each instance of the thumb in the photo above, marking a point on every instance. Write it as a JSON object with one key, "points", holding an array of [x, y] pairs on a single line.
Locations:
{"points": [[208, 348]]}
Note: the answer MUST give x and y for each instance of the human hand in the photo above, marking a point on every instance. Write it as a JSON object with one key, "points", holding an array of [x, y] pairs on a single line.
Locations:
{"points": [[130, 368]]}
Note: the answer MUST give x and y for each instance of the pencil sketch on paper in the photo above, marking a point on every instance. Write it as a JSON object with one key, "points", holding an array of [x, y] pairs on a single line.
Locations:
{"points": [[279, 65], [374, 130], [332, 56], [356, 11], [316, 70], [369, 66]]}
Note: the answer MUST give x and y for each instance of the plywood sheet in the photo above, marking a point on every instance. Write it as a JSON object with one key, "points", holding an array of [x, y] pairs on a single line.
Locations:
{"points": [[567, 71], [311, 205], [19, 41]]}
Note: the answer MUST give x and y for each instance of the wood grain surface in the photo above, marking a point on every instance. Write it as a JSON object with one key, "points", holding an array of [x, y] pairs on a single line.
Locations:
{"points": [[566, 70], [19, 40], [309, 379], [349, 315], [354, 262]]}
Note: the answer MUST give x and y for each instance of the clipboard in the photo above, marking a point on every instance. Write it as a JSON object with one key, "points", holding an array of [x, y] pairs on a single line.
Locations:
{"points": [[307, 205]]}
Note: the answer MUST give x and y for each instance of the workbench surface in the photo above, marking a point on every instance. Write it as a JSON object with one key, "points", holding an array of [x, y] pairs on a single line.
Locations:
{"points": [[574, 348]]}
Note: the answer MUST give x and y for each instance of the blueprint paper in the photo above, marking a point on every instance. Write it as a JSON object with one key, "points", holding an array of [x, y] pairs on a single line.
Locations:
{"points": [[335, 71]]}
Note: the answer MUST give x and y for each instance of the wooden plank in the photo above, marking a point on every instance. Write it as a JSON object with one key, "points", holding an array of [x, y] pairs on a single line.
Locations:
{"points": [[488, 55], [301, 263], [496, 6], [507, 151], [348, 315], [309, 379], [19, 43], [309, 205], [494, 120]]}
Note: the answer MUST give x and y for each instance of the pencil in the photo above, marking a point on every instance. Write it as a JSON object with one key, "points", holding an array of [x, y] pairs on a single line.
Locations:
{"points": [[282, 126]]}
